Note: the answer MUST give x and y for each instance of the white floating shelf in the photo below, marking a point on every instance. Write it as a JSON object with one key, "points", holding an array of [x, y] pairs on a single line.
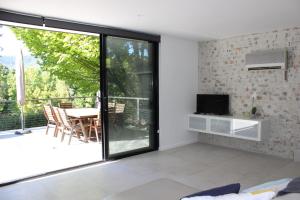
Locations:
{"points": [[248, 129]]}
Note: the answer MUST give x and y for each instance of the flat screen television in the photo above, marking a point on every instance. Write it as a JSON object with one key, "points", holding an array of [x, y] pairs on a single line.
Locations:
{"points": [[216, 104]]}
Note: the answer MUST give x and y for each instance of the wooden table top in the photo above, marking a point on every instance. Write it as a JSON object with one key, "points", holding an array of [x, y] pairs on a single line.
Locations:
{"points": [[83, 112]]}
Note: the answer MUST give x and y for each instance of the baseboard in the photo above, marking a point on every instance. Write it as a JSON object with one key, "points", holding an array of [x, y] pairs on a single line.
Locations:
{"points": [[182, 143]]}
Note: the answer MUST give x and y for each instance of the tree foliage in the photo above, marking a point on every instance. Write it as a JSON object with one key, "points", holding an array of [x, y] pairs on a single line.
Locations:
{"points": [[73, 58], [41, 84], [4, 86], [127, 60]]}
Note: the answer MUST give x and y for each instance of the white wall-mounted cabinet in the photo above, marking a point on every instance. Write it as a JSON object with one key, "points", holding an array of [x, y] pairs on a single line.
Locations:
{"points": [[249, 129]]}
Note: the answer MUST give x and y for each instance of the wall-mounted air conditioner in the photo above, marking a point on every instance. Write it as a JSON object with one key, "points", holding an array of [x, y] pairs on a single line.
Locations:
{"points": [[267, 59]]}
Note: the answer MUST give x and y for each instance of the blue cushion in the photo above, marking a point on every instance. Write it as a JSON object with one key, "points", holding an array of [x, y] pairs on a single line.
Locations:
{"points": [[227, 189], [292, 187]]}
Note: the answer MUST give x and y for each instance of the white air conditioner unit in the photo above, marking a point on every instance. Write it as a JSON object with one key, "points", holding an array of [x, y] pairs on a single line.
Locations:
{"points": [[267, 59]]}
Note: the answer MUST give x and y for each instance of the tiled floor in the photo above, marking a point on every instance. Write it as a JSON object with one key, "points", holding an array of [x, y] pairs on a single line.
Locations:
{"points": [[197, 165]]}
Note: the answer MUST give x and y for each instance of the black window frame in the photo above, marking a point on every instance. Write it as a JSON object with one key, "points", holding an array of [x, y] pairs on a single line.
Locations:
{"points": [[36, 20]]}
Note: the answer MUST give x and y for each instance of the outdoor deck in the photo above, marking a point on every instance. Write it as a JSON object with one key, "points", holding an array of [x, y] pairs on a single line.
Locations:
{"points": [[37, 153]]}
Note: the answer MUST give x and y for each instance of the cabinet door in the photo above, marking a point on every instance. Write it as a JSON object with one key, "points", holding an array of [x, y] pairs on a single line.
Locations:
{"points": [[197, 123], [222, 126], [246, 129]]}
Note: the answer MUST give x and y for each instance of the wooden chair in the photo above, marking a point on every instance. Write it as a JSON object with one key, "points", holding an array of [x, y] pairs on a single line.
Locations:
{"points": [[111, 111], [65, 105], [51, 118], [116, 115], [120, 107], [59, 120], [96, 125], [111, 106], [69, 124]]}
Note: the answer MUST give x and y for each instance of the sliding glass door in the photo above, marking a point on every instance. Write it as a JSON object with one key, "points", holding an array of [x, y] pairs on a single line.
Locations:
{"points": [[128, 78], [130, 100]]}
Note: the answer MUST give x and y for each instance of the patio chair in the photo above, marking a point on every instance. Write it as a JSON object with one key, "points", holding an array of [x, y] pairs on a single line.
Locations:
{"points": [[115, 116], [111, 106], [65, 105], [120, 107], [96, 125], [69, 124], [51, 118], [60, 124]]}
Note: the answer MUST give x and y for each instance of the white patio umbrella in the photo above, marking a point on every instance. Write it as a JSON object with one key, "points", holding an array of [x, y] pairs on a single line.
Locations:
{"points": [[20, 78], [20, 86]]}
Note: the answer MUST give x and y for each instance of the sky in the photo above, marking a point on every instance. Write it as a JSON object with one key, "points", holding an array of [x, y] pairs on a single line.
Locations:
{"points": [[10, 44]]}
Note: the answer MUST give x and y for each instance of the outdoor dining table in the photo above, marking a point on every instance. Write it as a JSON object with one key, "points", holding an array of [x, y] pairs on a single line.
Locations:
{"points": [[82, 115]]}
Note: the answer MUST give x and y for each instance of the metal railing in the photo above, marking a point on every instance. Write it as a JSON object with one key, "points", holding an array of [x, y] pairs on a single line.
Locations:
{"points": [[137, 99], [10, 112], [137, 110]]}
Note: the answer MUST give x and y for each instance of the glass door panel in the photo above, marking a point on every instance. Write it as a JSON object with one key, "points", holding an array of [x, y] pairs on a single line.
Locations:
{"points": [[129, 75]]}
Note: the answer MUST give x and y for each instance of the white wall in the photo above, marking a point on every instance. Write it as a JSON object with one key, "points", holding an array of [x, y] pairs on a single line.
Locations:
{"points": [[178, 85]]}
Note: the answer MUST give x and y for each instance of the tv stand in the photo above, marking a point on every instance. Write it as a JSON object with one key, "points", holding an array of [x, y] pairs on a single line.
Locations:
{"points": [[228, 115], [229, 126]]}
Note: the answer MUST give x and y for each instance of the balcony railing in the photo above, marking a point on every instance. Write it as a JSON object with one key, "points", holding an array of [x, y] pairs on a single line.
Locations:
{"points": [[136, 110]]}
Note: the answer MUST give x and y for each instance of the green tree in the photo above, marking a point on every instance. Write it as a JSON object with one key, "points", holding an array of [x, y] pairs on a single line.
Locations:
{"points": [[126, 61], [41, 84], [4, 95], [73, 58]]}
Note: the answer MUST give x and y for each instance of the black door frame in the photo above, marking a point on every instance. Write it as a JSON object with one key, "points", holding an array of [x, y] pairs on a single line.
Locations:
{"points": [[153, 137], [40, 21]]}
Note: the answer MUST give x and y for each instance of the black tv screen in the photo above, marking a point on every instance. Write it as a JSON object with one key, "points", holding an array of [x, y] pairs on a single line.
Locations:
{"points": [[215, 104]]}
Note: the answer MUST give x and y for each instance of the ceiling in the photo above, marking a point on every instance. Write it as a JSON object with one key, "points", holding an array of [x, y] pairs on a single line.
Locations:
{"points": [[194, 19]]}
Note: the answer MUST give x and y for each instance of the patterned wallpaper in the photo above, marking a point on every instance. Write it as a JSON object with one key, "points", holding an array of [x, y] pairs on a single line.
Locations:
{"points": [[222, 70]]}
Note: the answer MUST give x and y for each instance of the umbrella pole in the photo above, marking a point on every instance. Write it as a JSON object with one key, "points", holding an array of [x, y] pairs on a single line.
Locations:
{"points": [[23, 131], [22, 118]]}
